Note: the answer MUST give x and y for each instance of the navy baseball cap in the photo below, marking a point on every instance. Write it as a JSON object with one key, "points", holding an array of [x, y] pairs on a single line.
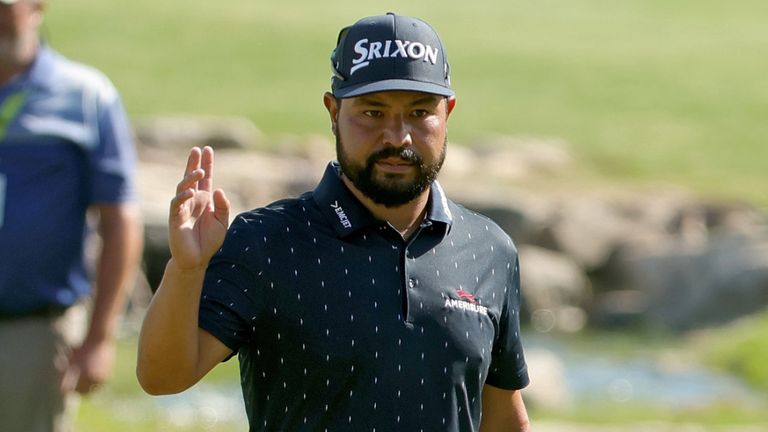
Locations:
{"points": [[389, 52]]}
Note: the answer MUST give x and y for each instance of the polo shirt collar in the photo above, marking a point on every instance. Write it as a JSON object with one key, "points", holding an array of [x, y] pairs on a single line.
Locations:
{"points": [[40, 72], [347, 215], [438, 210], [344, 212]]}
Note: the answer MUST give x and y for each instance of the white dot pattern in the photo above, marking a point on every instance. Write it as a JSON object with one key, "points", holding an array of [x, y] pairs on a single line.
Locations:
{"points": [[331, 322]]}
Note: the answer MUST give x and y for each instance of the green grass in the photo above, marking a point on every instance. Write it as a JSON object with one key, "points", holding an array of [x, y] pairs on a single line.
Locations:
{"points": [[122, 406], [740, 348], [721, 417], [124, 382], [644, 91]]}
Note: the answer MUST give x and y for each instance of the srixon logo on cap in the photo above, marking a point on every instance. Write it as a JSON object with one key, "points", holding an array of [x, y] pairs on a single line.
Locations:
{"points": [[389, 49]]}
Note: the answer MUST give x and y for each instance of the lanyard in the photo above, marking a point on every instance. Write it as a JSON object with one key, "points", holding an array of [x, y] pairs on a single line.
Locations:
{"points": [[9, 109]]}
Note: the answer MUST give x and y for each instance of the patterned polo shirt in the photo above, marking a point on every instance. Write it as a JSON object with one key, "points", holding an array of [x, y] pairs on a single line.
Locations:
{"points": [[341, 325]]}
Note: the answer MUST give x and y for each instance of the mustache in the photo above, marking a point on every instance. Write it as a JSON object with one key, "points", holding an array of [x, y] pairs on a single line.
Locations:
{"points": [[405, 153]]}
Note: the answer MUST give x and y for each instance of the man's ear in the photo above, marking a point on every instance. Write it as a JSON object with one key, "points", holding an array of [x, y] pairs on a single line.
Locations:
{"points": [[332, 105], [39, 8], [450, 103]]}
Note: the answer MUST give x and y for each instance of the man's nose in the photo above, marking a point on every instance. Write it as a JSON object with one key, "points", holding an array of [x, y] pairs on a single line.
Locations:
{"points": [[397, 132]]}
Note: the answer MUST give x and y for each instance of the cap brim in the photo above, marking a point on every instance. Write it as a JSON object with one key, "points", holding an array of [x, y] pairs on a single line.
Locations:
{"points": [[392, 85]]}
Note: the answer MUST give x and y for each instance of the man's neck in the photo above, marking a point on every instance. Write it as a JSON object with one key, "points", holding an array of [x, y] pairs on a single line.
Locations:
{"points": [[8, 74], [405, 218], [11, 68]]}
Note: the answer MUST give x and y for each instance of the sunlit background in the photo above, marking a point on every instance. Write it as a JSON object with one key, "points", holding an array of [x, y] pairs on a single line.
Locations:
{"points": [[621, 143]]}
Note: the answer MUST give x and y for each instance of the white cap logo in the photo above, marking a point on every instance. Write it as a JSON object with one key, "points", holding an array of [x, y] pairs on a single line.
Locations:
{"points": [[391, 48]]}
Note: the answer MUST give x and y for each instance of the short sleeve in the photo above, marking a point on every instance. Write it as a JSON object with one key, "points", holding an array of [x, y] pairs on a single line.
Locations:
{"points": [[508, 369], [113, 159], [231, 302]]}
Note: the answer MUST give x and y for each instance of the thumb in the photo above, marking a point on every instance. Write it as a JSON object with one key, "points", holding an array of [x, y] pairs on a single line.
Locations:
{"points": [[221, 207], [69, 379]]}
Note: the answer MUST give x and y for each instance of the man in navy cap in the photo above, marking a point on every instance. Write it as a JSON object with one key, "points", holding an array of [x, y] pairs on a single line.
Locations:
{"points": [[66, 150], [373, 303]]}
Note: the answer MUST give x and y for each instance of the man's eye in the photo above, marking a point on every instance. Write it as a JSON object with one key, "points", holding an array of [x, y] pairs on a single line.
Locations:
{"points": [[420, 113], [372, 113]]}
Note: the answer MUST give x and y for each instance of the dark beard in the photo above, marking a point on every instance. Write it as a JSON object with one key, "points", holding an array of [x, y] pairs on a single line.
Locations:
{"points": [[390, 191]]}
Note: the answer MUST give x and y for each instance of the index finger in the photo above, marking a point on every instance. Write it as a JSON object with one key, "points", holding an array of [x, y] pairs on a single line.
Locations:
{"points": [[193, 160], [193, 164]]}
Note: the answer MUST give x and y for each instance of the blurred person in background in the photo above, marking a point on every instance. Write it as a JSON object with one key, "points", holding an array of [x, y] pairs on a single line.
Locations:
{"points": [[373, 302], [66, 159]]}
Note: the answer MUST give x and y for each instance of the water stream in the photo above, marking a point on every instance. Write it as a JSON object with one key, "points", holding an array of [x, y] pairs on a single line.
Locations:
{"points": [[592, 376]]}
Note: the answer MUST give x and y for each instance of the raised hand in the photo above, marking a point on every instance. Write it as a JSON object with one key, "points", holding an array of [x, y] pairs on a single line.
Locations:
{"points": [[199, 215]]}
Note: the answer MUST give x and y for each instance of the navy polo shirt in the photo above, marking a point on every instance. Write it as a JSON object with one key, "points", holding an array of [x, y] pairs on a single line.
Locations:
{"points": [[341, 325]]}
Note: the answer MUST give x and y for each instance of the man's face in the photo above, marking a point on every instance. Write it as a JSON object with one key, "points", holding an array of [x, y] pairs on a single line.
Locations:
{"points": [[391, 145], [18, 31]]}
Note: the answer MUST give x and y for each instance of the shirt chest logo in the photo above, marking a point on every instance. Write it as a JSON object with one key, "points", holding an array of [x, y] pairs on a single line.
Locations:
{"points": [[465, 301]]}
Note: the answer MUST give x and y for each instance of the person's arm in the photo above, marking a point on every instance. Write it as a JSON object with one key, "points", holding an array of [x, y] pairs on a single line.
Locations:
{"points": [[120, 230], [174, 353], [503, 411]]}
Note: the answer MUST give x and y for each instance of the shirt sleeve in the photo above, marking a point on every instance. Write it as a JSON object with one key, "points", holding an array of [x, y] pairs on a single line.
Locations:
{"points": [[113, 160], [508, 369], [231, 303]]}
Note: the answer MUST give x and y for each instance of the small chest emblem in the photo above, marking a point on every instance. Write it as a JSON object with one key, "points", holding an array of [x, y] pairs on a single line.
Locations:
{"points": [[463, 295], [465, 301]]}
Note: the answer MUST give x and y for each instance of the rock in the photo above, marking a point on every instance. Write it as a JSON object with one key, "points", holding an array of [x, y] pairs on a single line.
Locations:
{"points": [[156, 253], [524, 217], [591, 229], [555, 290], [186, 131], [548, 389], [460, 161], [620, 308], [586, 230], [690, 288], [516, 158]]}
